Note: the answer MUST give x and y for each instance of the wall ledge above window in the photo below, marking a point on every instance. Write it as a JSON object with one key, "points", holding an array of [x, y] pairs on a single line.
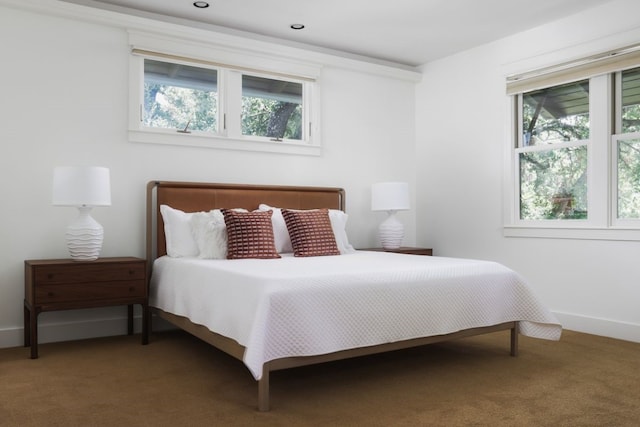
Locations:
{"points": [[243, 57], [575, 233], [193, 140]]}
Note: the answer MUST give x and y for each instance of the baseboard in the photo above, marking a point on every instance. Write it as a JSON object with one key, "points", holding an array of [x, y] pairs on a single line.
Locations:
{"points": [[78, 330], [596, 326]]}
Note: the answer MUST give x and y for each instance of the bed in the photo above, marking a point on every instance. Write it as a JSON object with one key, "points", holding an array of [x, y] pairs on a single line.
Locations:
{"points": [[292, 311]]}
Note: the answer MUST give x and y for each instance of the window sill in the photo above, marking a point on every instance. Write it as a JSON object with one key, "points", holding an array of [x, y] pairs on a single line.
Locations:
{"points": [[223, 143], [576, 233]]}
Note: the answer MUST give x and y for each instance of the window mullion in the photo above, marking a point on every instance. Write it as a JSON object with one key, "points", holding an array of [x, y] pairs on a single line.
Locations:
{"points": [[233, 86], [598, 178]]}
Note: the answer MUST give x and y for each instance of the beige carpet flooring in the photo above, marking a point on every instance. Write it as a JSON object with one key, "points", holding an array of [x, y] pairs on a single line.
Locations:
{"points": [[177, 380]]}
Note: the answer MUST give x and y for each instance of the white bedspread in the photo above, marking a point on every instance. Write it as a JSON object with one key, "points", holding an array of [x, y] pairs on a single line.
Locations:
{"points": [[308, 306]]}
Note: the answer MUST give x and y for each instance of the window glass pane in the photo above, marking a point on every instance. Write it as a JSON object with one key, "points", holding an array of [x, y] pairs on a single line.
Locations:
{"points": [[177, 95], [629, 179], [553, 184], [556, 114], [631, 101], [271, 108]]}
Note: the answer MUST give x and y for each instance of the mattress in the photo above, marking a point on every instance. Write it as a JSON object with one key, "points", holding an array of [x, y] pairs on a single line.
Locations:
{"points": [[295, 306]]}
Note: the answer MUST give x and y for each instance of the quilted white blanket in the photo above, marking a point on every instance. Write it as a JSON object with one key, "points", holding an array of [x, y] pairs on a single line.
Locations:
{"points": [[308, 306]]}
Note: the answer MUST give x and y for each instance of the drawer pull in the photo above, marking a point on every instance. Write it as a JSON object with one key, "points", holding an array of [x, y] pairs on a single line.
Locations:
{"points": [[131, 289], [131, 272], [50, 294], [50, 276]]}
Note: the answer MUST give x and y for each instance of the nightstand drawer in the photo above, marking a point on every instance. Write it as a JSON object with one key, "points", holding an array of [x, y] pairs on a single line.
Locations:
{"points": [[52, 274], [47, 294]]}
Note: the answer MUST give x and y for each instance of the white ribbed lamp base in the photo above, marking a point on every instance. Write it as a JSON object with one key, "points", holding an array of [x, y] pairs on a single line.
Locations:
{"points": [[391, 232], [84, 237]]}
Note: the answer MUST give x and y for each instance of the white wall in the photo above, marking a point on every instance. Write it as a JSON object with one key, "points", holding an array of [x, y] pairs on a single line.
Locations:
{"points": [[64, 102], [593, 286]]}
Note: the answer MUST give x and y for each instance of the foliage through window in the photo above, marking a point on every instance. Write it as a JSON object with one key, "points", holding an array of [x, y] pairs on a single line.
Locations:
{"points": [[630, 100], [629, 178], [178, 96], [271, 108], [574, 164], [201, 103], [552, 152], [628, 147]]}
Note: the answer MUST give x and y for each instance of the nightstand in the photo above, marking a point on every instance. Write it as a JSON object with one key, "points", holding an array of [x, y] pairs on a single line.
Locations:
{"points": [[63, 284], [403, 250]]}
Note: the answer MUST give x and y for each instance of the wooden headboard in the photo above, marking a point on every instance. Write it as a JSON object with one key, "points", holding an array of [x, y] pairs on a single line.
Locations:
{"points": [[197, 196]]}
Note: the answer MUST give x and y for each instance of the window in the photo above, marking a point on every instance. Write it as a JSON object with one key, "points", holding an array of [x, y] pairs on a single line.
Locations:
{"points": [[626, 143], [552, 152], [271, 108], [185, 98], [178, 96], [574, 171], [191, 101], [628, 179], [630, 103]]}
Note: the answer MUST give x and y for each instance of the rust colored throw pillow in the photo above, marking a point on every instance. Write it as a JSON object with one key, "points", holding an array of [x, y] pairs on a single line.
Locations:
{"points": [[249, 235], [311, 233]]}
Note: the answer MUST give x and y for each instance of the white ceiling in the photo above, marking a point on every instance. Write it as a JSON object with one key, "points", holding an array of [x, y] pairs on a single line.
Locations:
{"points": [[408, 32]]}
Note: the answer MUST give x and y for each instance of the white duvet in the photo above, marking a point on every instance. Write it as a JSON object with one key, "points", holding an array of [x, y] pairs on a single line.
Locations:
{"points": [[308, 306]]}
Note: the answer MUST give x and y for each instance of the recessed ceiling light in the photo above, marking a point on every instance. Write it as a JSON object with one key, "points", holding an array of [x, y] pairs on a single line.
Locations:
{"points": [[201, 4], [297, 26]]}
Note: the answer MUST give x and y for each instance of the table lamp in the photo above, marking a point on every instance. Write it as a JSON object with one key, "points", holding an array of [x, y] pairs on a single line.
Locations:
{"points": [[83, 187], [390, 197]]}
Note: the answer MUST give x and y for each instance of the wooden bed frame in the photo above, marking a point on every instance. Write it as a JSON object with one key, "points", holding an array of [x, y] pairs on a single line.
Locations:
{"points": [[194, 197]]}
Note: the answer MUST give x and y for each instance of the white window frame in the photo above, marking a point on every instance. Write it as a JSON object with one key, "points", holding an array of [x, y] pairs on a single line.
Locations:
{"points": [[520, 148], [619, 136], [138, 97], [307, 107], [230, 66], [619, 222], [602, 222]]}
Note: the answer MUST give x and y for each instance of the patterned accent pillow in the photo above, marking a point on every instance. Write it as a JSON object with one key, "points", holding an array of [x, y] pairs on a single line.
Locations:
{"points": [[249, 235], [281, 234], [311, 233]]}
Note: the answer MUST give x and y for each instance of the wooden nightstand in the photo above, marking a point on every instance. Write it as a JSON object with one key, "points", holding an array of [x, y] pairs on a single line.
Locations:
{"points": [[403, 250], [63, 284]]}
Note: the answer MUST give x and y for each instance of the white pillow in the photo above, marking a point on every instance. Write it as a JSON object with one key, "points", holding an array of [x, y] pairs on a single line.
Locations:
{"points": [[210, 234], [339, 225], [281, 234], [177, 232]]}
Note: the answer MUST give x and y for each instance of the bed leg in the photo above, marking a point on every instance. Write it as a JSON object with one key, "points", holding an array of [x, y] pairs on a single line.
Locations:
{"points": [[514, 340], [263, 391]]}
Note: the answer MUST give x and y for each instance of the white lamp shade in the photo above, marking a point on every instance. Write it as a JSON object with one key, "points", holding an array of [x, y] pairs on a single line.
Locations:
{"points": [[390, 196], [81, 186]]}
